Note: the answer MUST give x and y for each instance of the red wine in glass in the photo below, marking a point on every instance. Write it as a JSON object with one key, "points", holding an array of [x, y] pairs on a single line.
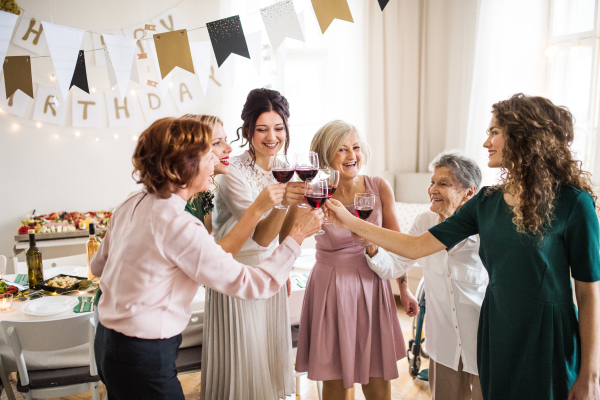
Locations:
{"points": [[283, 175], [315, 201], [363, 212], [306, 173], [331, 190]]}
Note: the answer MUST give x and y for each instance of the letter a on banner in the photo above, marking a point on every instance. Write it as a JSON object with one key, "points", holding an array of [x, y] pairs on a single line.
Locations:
{"points": [[328, 10], [227, 36], [64, 44], [281, 21]]}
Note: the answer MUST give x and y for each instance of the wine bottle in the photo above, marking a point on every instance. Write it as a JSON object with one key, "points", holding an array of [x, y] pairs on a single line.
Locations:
{"points": [[35, 270], [92, 247]]}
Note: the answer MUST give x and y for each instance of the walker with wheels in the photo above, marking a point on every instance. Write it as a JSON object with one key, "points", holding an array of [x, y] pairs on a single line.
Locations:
{"points": [[416, 345]]}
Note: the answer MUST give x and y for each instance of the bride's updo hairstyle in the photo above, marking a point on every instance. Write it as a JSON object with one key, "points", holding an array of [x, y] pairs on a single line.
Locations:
{"points": [[167, 155], [261, 101]]}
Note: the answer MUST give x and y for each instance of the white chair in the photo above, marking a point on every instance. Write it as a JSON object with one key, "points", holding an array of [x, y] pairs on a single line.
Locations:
{"points": [[72, 265], [189, 359], [55, 335]]}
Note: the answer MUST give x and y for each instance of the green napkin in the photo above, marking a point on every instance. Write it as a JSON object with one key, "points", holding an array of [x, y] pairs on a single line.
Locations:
{"points": [[88, 304], [22, 279]]}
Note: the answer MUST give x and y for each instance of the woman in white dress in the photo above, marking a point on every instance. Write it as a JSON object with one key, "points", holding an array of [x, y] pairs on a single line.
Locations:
{"points": [[247, 344]]}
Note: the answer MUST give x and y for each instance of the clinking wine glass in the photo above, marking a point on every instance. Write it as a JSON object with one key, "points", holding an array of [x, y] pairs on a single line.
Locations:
{"points": [[332, 178], [363, 207], [307, 167], [282, 168], [315, 194]]}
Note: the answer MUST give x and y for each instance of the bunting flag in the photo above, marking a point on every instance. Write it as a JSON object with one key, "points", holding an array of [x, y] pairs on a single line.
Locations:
{"points": [[227, 37], [79, 78], [86, 109], [383, 3], [17, 75], [201, 57], [149, 27], [328, 10], [121, 112], [135, 74], [168, 21], [281, 21], [64, 44], [29, 34], [173, 50], [7, 25], [121, 51], [254, 41], [45, 110]]}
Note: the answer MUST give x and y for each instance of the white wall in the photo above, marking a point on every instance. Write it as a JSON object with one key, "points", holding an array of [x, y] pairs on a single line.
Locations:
{"points": [[41, 172]]}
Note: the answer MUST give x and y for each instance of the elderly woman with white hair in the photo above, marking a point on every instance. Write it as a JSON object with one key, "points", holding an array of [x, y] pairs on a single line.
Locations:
{"points": [[455, 282], [349, 329]]}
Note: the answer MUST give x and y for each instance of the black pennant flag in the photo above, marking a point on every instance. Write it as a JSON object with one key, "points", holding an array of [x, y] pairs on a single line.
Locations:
{"points": [[80, 75], [383, 3], [227, 36]]}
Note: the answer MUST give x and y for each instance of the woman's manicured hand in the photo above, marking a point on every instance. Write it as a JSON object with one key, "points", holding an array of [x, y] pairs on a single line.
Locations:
{"points": [[269, 197], [306, 225], [337, 213], [294, 193]]}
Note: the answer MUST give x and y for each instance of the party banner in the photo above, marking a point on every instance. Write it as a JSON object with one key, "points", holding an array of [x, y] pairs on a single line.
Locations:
{"points": [[254, 41], [79, 78], [17, 75], [168, 21], [87, 109], [7, 25], [383, 3], [45, 110], [64, 44], [281, 21], [227, 36], [121, 51], [153, 106], [121, 112], [98, 42], [135, 74], [17, 104], [185, 92], [201, 57], [173, 50], [138, 32], [29, 34], [328, 10]]}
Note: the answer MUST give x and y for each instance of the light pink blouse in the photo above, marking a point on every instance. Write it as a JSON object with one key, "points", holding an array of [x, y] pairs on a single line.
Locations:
{"points": [[153, 259]]}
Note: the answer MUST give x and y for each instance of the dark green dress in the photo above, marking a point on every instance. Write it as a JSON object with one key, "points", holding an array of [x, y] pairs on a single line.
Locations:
{"points": [[194, 207], [528, 344]]}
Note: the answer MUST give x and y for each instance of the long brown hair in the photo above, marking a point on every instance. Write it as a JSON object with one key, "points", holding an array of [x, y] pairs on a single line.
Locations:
{"points": [[536, 159], [167, 155]]}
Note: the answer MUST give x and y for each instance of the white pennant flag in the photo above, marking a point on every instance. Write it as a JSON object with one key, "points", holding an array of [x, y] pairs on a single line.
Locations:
{"points": [[201, 58], [64, 44], [121, 51], [7, 25], [254, 41], [281, 21], [135, 74]]}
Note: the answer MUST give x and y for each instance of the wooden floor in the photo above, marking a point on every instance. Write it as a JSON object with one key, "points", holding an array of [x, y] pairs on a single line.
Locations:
{"points": [[403, 388]]}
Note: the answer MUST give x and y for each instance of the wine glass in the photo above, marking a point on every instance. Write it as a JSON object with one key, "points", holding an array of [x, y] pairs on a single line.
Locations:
{"points": [[282, 168], [315, 194], [332, 177], [307, 167], [363, 207]]}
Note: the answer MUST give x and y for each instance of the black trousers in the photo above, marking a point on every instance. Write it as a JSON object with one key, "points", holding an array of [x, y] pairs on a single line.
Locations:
{"points": [[133, 368]]}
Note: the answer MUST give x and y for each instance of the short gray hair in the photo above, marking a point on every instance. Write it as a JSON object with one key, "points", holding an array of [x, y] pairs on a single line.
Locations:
{"points": [[330, 137], [465, 170]]}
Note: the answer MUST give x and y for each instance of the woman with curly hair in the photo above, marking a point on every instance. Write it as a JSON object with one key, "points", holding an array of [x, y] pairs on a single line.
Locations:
{"points": [[538, 227]]}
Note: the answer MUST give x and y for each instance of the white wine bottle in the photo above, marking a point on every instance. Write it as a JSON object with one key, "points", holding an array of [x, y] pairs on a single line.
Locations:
{"points": [[35, 270], [92, 247]]}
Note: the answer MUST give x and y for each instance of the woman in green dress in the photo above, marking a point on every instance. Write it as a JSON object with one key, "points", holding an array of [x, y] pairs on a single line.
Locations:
{"points": [[538, 227]]}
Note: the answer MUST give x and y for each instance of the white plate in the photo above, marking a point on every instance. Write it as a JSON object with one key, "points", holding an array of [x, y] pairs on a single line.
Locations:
{"points": [[49, 305]]}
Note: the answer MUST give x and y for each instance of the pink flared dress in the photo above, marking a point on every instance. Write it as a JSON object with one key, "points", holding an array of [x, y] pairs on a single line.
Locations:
{"points": [[349, 327]]}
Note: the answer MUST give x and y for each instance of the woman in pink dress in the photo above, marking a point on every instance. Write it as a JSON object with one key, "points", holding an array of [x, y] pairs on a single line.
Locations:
{"points": [[349, 329]]}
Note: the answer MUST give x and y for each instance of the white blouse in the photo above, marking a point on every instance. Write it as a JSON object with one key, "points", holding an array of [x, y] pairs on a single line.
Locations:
{"points": [[237, 191], [455, 284]]}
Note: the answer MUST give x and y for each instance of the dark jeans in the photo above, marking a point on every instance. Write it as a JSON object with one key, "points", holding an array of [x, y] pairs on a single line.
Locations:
{"points": [[133, 368]]}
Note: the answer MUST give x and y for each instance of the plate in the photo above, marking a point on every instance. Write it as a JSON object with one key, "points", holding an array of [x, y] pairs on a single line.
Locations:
{"points": [[44, 284], [49, 305]]}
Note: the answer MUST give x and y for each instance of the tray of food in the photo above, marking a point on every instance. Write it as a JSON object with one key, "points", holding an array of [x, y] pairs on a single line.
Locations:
{"points": [[60, 283], [61, 225]]}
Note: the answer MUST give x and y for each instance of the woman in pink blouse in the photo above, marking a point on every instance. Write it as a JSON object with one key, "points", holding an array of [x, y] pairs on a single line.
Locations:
{"points": [[154, 257]]}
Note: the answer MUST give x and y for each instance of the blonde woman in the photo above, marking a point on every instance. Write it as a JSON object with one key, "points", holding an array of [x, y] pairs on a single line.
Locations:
{"points": [[349, 329]]}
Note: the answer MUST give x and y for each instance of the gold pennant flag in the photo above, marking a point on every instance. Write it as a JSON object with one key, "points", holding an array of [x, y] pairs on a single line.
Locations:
{"points": [[142, 56], [17, 75], [328, 10], [151, 83], [173, 50], [149, 27]]}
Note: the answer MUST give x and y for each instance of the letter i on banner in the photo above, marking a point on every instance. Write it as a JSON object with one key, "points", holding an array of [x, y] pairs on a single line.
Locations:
{"points": [[120, 112], [29, 34]]}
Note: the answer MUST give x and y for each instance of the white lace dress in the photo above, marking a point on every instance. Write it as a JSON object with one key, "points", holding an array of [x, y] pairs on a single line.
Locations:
{"points": [[247, 345]]}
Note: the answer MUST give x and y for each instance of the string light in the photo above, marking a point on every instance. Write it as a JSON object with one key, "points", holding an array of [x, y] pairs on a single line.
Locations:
{"points": [[52, 76], [93, 89], [39, 124], [77, 134], [116, 136], [133, 92], [56, 136], [15, 126], [97, 140], [171, 84], [135, 137]]}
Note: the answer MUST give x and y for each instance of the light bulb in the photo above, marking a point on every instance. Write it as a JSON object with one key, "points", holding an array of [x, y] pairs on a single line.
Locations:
{"points": [[550, 52], [93, 89], [116, 136], [56, 136], [135, 137], [77, 133], [39, 124], [97, 140]]}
